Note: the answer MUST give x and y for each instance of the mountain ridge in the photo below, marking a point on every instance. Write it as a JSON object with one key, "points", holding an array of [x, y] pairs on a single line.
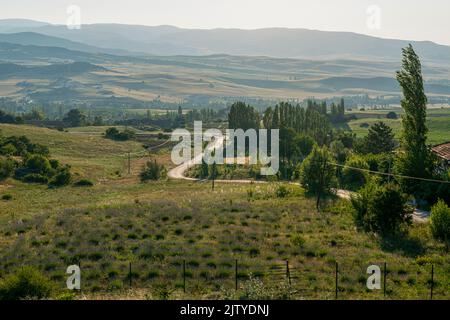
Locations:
{"points": [[278, 42]]}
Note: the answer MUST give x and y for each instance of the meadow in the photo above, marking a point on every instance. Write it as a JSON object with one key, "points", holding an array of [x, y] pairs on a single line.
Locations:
{"points": [[438, 122], [159, 226]]}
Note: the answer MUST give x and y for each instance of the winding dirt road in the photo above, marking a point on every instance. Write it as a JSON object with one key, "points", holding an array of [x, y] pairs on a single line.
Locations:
{"points": [[178, 173]]}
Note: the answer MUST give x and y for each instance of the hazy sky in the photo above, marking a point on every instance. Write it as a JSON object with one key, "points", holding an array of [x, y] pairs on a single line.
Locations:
{"points": [[402, 19]]}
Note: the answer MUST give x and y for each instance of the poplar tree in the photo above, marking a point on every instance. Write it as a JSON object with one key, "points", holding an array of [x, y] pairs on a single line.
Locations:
{"points": [[414, 158]]}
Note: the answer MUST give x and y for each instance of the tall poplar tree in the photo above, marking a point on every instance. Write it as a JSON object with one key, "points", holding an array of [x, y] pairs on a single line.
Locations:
{"points": [[414, 158]]}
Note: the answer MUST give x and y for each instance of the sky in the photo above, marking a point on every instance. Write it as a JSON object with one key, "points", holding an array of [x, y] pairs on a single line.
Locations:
{"points": [[397, 19]]}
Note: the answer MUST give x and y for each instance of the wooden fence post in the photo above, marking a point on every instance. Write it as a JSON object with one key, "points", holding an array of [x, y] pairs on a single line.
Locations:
{"points": [[336, 281], [384, 279], [288, 273], [184, 276], [236, 275]]}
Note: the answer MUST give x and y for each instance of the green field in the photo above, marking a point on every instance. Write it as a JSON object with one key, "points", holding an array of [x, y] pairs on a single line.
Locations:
{"points": [[438, 122], [156, 226]]}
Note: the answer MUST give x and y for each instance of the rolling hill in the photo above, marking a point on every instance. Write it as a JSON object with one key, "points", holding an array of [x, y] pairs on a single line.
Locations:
{"points": [[273, 42]]}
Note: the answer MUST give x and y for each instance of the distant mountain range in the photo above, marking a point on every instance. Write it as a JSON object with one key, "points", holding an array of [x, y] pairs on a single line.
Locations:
{"points": [[272, 42], [112, 64]]}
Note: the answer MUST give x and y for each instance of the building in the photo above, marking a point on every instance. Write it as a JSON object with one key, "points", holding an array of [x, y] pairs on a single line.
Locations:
{"points": [[443, 152]]}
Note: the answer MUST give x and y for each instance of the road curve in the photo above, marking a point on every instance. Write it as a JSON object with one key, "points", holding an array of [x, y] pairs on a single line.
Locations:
{"points": [[178, 173]]}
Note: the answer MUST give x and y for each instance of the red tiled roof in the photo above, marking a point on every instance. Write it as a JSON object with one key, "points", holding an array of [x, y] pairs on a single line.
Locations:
{"points": [[442, 150]]}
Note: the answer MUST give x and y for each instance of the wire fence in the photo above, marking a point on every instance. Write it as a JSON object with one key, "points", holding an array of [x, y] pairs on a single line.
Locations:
{"points": [[341, 281]]}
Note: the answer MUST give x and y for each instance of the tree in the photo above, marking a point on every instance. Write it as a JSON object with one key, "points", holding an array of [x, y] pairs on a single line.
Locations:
{"points": [[98, 121], [440, 222], [303, 145], [317, 173], [353, 175], [382, 209], [75, 118], [204, 170], [415, 158], [380, 139], [242, 116]]}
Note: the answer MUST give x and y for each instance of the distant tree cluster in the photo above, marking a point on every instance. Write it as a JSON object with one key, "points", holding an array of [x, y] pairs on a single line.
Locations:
{"points": [[29, 162], [114, 134]]}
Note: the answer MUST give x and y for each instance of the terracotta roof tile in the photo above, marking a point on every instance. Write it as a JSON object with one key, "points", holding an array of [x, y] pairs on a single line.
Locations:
{"points": [[442, 150]]}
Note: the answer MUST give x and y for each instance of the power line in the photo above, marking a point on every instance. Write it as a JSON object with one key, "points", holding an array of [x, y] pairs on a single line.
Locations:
{"points": [[388, 174]]}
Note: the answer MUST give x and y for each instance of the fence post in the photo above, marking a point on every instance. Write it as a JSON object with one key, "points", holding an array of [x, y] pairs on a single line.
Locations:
{"points": [[129, 163], [384, 279], [432, 281], [79, 266], [236, 275], [129, 275], [336, 282], [184, 276], [288, 273]]}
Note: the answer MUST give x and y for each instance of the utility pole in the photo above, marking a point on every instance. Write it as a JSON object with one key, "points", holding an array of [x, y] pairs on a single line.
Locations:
{"points": [[129, 163]]}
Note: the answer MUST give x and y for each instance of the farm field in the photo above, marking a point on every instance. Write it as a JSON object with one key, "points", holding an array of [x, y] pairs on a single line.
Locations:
{"points": [[158, 226], [438, 121]]}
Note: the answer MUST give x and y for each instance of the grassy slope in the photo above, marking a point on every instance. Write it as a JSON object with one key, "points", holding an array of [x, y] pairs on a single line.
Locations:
{"points": [[157, 225], [91, 156]]}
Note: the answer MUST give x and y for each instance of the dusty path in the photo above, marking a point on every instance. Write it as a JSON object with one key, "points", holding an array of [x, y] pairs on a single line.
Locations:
{"points": [[178, 173]]}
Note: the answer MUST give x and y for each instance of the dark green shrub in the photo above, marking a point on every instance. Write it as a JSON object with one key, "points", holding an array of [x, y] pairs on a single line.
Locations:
{"points": [[282, 191], [26, 283], [7, 197], [382, 209], [35, 178], [440, 222], [6, 169], [84, 183], [152, 171], [62, 178]]}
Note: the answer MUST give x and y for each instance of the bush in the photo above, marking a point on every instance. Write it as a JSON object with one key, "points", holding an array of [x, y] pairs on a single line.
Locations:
{"points": [[440, 222], [24, 284], [353, 179], [62, 178], [392, 115], [38, 164], [114, 134], [6, 168], [83, 183], [35, 178], [7, 197], [282, 191], [382, 209], [152, 171]]}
